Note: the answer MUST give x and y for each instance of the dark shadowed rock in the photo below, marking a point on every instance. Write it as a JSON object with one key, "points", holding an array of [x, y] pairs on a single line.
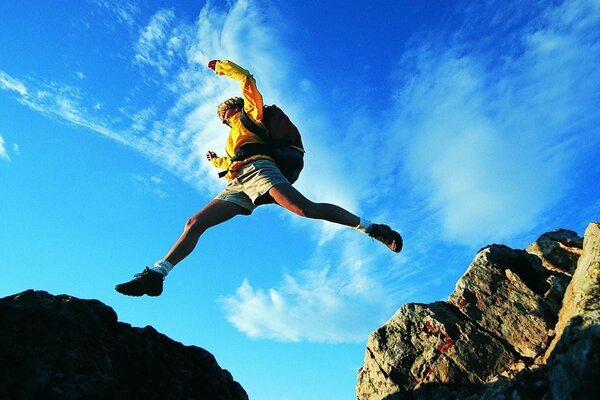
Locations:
{"points": [[61, 347], [519, 325]]}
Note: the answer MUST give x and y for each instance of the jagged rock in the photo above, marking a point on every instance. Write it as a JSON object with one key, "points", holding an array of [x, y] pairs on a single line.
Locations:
{"points": [[61, 347], [576, 351], [430, 343], [503, 292], [583, 294], [559, 250], [544, 325]]}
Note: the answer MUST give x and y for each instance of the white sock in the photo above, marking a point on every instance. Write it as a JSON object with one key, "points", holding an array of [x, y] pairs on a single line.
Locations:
{"points": [[163, 266], [364, 226]]}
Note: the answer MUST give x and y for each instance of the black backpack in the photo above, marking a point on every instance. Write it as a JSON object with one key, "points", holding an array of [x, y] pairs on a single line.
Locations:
{"points": [[283, 142]]}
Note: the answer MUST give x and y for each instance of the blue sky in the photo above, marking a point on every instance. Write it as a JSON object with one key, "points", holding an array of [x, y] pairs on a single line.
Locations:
{"points": [[459, 123]]}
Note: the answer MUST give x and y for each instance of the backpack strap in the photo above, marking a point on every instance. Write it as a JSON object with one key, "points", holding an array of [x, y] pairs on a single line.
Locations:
{"points": [[252, 149], [248, 150], [253, 126]]}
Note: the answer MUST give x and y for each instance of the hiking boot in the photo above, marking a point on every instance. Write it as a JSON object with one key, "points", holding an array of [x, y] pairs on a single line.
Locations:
{"points": [[387, 236], [148, 282]]}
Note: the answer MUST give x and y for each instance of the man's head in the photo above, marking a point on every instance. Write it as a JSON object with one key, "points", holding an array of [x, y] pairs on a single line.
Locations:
{"points": [[235, 103]]}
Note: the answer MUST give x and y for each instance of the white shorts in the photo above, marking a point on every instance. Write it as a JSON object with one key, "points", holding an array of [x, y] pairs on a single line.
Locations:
{"points": [[254, 181]]}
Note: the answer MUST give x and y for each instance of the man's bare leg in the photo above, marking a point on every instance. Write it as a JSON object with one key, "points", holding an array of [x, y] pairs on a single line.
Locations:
{"points": [[150, 281], [290, 198], [287, 196], [214, 213]]}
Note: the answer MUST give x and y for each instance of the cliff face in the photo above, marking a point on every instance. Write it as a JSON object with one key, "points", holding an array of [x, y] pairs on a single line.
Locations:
{"points": [[61, 347], [519, 324]]}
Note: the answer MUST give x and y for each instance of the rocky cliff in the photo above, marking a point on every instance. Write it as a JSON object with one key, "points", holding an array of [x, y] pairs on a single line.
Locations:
{"points": [[61, 347], [520, 324]]}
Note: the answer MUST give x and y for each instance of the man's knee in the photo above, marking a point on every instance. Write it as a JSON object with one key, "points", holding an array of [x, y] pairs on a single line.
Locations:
{"points": [[194, 224], [289, 198], [308, 210]]}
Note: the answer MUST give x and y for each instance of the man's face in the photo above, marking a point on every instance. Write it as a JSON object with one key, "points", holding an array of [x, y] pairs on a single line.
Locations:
{"points": [[228, 113]]}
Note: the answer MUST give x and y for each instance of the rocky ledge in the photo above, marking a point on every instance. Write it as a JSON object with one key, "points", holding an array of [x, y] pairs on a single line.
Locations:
{"points": [[61, 347], [520, 324]]}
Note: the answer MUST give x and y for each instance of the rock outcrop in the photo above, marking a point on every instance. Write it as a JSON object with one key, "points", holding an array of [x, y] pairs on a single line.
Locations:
{"points": [[520, 324], [61, 347]]}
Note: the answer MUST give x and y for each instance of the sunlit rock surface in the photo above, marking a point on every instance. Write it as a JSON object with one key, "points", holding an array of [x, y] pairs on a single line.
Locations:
{"points": [[520, 324]]}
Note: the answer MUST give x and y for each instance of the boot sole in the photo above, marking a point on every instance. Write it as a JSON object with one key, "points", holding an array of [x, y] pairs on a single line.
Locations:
{"points": [[139, 294]]}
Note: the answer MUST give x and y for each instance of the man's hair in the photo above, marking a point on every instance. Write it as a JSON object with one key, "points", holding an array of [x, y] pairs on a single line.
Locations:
{"points": [[229, 103]]}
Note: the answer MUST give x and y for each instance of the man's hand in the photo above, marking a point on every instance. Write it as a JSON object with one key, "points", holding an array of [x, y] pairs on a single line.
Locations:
{"points": [[210, 155], [212, 64]]}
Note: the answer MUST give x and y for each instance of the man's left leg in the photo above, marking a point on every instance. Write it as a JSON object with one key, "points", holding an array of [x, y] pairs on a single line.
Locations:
{"points": [[150, 281], [214, 213], [290, 198]]}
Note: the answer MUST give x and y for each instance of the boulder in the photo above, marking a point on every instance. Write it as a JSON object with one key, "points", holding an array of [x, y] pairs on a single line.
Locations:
{"points": [[429, 343], [62, 347], [519, 324]]}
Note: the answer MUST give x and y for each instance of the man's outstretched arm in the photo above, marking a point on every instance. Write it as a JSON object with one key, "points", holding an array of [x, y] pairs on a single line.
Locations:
{"points": [[253, 102]]}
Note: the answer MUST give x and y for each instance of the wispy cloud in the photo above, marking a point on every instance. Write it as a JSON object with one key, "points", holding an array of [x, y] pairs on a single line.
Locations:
{"points": [[3, 152], [490, 139], [151, 184], [340, 301], [60, 101], [6, 151], [125, 12], [7, 82], [162, 41]]}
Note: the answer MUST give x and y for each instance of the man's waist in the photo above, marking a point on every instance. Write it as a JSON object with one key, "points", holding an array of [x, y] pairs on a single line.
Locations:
{"points": [[236, 167]]}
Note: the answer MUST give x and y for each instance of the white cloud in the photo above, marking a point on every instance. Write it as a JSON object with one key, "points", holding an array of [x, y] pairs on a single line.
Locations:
{"points": [[124, 11], [3, 152], [491, 144], [161, 41], [151, 184], [334, 303], [7, 82], [67, 104]]}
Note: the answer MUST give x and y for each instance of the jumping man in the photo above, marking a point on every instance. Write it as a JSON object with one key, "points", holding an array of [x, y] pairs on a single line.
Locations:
{"points": [[251, 182]]}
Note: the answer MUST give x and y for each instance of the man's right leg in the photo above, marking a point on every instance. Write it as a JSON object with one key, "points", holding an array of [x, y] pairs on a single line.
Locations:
{"points": [[150, 282]]}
